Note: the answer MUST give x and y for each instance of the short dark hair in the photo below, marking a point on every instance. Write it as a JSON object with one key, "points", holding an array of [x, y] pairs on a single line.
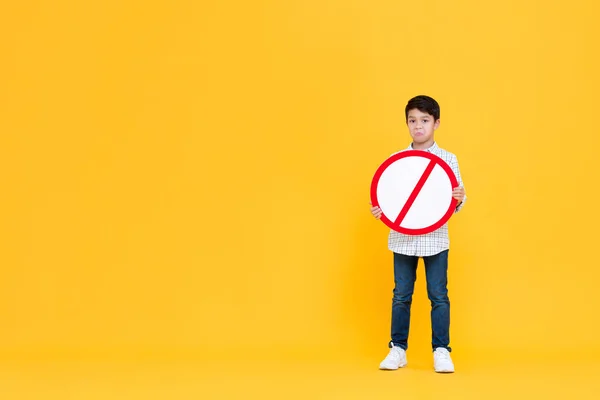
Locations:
{"points": [[424, 104]]}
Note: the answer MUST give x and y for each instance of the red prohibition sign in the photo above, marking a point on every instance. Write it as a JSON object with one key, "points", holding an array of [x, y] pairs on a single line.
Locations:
{"points": [[395, 223]]}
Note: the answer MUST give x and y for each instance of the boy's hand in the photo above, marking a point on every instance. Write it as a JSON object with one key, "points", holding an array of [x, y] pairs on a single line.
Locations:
{"points": [[459, 194], [376, 211]]}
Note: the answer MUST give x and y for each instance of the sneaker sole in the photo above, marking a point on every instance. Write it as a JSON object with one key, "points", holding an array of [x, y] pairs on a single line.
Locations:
{"points": [[392, 369]]}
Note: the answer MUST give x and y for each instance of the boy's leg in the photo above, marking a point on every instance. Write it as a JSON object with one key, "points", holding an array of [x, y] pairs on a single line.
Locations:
{"points": [[405, 274], [436, 271]]}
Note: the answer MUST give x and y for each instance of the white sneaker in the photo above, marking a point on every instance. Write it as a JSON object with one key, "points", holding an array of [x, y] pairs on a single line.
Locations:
{"points": [[395, 359], [442, 362]]}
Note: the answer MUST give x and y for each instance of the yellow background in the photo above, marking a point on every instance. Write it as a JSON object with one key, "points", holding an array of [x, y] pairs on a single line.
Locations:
{"points": [[190, 179]]}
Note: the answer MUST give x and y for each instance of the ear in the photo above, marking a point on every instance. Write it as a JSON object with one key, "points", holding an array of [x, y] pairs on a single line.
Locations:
{"points": [[436, 124]]}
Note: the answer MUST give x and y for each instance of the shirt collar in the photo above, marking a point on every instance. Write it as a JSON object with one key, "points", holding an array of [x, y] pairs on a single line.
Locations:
{"points": [[434, 147]]}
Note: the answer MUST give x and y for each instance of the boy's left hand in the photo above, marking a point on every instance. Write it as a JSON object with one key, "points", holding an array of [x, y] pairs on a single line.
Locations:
{"points": [[459, 194]]}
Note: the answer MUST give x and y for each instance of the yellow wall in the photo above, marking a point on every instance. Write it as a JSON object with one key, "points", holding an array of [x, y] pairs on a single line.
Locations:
{"points": [[179, 177]]}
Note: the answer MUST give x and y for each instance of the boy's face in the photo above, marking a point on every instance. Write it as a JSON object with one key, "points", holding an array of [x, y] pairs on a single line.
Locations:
{"points": [[421, 126]]}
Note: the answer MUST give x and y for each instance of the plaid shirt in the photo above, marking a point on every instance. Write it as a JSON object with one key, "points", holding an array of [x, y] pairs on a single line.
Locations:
{"points": [[434, 242]]}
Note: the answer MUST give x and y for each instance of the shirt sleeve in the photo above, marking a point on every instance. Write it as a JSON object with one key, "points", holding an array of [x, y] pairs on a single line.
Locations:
{"points": [[456, 170]]}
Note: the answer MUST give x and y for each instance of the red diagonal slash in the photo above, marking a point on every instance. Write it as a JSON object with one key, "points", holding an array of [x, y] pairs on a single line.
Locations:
{"points": [[414, 194]]}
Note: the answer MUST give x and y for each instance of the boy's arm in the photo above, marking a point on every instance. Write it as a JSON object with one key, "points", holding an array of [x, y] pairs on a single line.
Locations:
{"points": [[456, 170]]}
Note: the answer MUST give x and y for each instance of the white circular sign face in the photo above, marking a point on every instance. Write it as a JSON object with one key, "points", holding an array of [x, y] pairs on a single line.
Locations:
{"points": [[413, 188]]}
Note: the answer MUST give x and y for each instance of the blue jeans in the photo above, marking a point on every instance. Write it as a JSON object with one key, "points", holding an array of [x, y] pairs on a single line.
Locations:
{"points": [[405, 274]]}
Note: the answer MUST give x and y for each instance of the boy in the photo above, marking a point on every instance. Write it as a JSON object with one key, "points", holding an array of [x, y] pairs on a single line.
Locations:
{"points": [[422, 118]]}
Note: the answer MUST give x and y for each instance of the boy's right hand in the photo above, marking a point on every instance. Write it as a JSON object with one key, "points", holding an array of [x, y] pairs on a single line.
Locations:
{"points": [[376, 211]]}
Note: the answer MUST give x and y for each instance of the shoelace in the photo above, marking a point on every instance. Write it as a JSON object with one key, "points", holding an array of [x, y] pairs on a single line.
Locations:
{"points": [[395, 353], [443, 354]]}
